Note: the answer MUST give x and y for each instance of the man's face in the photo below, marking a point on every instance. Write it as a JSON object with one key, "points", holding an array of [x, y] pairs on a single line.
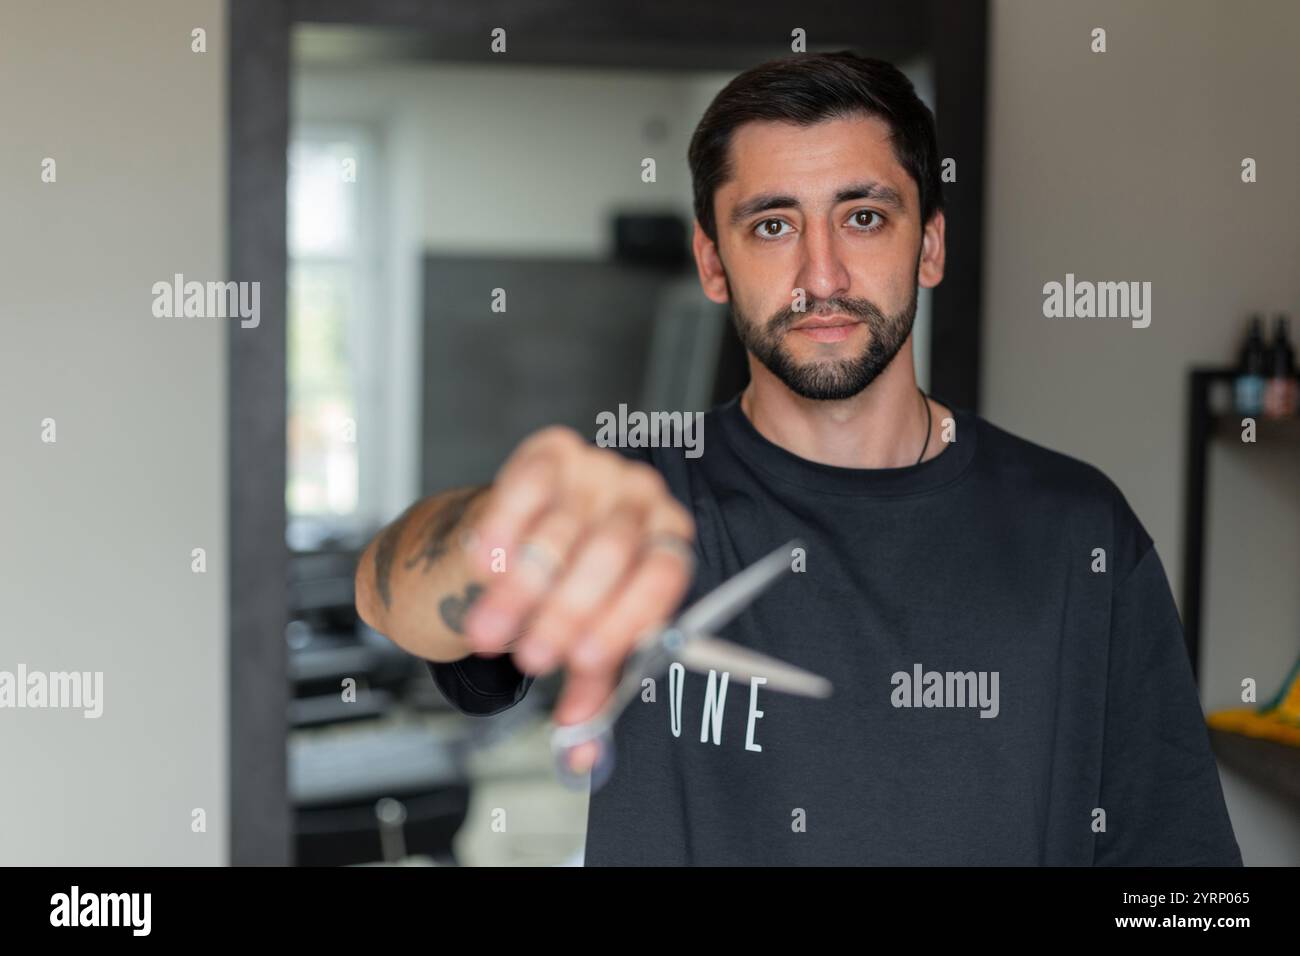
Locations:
{"points": [[828, 210]]}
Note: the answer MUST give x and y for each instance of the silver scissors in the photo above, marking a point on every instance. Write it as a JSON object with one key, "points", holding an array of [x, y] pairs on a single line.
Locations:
{"points": [[688, 639]]}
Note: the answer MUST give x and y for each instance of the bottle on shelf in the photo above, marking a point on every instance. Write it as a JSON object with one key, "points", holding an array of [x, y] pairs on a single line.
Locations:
{"points": [[1248, 386], [1281, 390]]}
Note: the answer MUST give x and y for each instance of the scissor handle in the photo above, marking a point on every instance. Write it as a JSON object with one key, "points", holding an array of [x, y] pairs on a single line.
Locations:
{"points": [[600, 770], [650, 657]]}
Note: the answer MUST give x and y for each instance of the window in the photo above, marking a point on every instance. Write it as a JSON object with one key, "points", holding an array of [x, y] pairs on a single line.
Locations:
{"points": [[332, 304]]}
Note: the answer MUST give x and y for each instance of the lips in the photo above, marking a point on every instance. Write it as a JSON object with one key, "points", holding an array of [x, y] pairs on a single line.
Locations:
{"points": [[835, 328], [829, 322]]}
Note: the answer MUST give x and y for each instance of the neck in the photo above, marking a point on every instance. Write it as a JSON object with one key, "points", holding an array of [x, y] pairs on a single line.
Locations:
{"points": [[883, 426]]}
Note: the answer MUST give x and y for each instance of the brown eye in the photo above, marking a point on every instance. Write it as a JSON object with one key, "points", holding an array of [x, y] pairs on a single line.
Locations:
{"points": [[765, 228]]}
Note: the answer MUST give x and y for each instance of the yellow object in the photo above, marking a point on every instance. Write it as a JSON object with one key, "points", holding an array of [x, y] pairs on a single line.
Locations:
{"points": [[1278, 719]]}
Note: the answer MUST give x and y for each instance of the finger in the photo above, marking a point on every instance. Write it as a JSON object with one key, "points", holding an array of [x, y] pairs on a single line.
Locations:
{"points": [[583, 756], [584, 693], [668, 519], [652, 595], [531, 570], [596, 485], [516, 501], [600, 562]]}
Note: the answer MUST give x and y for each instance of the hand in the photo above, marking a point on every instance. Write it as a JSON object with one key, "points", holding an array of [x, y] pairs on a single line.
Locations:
{"points": [[597, 552]]}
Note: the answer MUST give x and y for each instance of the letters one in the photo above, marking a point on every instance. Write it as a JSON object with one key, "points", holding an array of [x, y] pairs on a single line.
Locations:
{"points": [[715, 701]]}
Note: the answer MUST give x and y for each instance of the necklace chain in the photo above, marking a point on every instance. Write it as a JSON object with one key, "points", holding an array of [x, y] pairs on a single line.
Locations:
{"points": [[927, 426]]}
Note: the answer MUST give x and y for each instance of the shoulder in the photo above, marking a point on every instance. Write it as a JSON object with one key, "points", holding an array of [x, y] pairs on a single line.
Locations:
{"points": [[1032, 466], [1064, 488]]}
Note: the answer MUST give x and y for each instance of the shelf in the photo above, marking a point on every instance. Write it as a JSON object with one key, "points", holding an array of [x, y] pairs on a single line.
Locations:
{"points": [[1275, 765], [1209, 394]]}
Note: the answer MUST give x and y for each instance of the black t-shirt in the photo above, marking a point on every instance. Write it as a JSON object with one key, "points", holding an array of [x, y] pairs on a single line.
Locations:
{"points": [[999, 698]]}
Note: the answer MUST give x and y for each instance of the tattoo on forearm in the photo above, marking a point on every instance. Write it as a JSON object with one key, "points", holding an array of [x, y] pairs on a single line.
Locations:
{"points": [[453, 607], [386, 552], [434, 534]]}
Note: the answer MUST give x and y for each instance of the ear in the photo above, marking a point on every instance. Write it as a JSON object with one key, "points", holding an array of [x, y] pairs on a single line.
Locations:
{"points": [[930, 271], [709, 265]]}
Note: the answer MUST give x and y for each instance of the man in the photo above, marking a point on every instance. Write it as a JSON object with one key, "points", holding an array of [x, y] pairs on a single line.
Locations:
{"points": [[1010, 680]]}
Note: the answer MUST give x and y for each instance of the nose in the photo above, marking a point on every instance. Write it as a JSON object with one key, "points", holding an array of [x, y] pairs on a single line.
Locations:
{"points": [[822, 271]]}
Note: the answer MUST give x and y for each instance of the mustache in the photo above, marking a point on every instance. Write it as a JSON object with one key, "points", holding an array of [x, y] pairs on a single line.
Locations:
{"points": [[862, 309]]}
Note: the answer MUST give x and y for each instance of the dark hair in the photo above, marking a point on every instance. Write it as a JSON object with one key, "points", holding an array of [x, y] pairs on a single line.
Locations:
{"points": [[807, 88]]}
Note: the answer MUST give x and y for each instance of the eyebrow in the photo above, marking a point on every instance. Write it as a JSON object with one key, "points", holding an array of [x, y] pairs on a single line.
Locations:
{"points": [[864, 190]]}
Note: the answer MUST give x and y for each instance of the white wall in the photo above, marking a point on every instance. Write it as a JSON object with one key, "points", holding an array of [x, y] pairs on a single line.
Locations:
{"points": [[98, 527], [1126, 166]]}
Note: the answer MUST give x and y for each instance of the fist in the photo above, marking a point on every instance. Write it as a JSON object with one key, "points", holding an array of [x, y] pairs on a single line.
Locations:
{"points": [[597, 552]]}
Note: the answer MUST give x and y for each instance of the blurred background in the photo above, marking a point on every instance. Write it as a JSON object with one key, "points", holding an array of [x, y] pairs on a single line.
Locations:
{"points": [[381, 177]]}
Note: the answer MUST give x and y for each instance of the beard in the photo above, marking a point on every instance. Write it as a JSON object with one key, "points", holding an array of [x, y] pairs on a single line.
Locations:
{"points": [[828, 379]]}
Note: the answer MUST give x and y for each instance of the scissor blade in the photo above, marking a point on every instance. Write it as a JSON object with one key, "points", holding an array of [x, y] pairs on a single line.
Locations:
{"points": [[728, 599], [705, 652]]}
